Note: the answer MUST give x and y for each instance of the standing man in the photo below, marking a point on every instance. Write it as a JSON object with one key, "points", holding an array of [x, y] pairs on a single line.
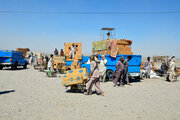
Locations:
{"points": [[148, 67], [126, 76], [35, 60], [96, 58], [102, 69], [94, 78], [171, 73], [55, 52], [62, 52], [31, 59], [50, 63], [118, 75], [72, 52], [163, 67]]}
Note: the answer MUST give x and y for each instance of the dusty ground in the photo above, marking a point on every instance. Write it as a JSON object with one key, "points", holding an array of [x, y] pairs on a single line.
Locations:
{"points": [[36, 97]]}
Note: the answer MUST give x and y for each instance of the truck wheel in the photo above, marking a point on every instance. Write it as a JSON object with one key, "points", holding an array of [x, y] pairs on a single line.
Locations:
{"points": [[1, 67], [109, 74], [138, 77], [25, 66], [14, 66]]}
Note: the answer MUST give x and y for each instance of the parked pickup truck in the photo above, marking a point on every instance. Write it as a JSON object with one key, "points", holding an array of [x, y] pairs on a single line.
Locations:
{"points": [[133, 69], [11, 58]]}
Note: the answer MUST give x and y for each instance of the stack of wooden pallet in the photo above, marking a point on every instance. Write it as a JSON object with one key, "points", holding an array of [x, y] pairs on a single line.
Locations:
{"points": [[78, 52]]}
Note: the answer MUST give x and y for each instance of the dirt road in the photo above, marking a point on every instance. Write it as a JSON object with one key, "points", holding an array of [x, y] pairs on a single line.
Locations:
{"points": [[30, 95]]}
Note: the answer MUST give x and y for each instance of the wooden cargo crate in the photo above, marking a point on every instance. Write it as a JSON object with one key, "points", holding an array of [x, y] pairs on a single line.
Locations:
{"points": [[125, 52], [124, 42], [75, 65], [82, 71], [68, 80], [124, 49], [103, 52], [67, 48], [75, 76]]}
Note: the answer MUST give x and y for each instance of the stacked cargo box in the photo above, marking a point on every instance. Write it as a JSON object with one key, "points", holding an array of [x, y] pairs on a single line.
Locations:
{"points": [[75, 76], [75, 64], [78, 53], [122, 47]]}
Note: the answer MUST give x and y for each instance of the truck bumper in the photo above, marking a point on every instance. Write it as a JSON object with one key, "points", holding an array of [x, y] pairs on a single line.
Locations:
{"points": [[5, 64], [134, 74]]}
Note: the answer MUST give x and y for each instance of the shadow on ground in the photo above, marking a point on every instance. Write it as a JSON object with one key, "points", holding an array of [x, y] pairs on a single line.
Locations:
{"points": [[135, 80], [6, 92], [9, 69]]}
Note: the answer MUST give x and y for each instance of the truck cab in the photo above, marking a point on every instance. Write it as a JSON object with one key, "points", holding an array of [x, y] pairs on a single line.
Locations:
{"points": [[11, 58]]}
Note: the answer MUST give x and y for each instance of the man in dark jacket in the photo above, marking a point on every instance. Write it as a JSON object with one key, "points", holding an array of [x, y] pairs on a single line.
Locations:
{"points": [[126, 76], [118, 75]]}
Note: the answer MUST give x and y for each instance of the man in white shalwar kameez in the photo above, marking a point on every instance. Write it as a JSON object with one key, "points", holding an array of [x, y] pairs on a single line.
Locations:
{"points": [[50, 63], [171, 69], [102, 69], [31, 60], [148, 67], [72, 52]]}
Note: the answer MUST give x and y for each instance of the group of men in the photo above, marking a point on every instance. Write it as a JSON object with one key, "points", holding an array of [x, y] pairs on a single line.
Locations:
{"points": [[121, 73], [56, 52], [98, 73], [166, 67], [46, 62]]}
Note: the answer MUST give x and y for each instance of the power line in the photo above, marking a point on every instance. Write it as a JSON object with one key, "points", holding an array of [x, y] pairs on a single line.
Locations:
{"points": [[70, 12]]}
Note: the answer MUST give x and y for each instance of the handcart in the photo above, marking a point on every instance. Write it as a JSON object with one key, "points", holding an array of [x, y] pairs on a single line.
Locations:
{"points": [[76, 79]]}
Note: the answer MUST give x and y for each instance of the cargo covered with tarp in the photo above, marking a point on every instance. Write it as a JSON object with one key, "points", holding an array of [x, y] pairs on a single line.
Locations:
{"points": [[112, 47], [99, 45]]}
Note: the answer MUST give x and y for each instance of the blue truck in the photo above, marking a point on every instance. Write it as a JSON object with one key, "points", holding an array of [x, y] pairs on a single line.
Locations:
{"points": [[133, 69], [11, 58]]}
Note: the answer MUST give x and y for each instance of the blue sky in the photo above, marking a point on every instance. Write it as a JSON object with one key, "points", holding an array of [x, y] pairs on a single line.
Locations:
{"points": [[152, 34]]}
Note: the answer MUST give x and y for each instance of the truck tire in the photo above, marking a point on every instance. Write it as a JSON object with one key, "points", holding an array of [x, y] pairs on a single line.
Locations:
{"points": [[1, 67], [109, 74], [25, 65], [138, 77], [14, 66]]}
